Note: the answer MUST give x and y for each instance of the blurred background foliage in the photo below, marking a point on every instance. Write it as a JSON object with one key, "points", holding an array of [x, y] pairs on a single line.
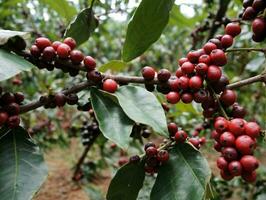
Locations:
{"points": [[50, 18]]}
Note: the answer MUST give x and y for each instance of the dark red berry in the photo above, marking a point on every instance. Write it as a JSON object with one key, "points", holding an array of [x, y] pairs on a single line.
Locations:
{"points": [[187, 97], [70, 42], [221, 84], [149, 144], [209, 47], [205, 59], [19, 97], [225, 174], [200, 96], [221, 125], [35, 51], [249, 163], [110, 85], [181, 61], [193, 56], [259, 5], [217, 42], [214, 73], [8, 98], [252, 129], [215, 135], [249, 176], [173, 97], [195, 82], [183, 82], [60, 99], [187, 68], [180, 136], [55, 44], [229, 153], [76, 56], [222, 163], [172, 128], [201, 69], [148, 73], [218, 57], [134, 159], [13, 121], [195, 142], [208, 113], [48, 54], [237, 126], [151, 151], [238, 111], [163, 156], [173, 83], [228, 97], [179, 72], [233, 29], [42, 42], [235, 168], [245, 144], [163, 75], [217, 146], [259, 27], [227, 139], [227, 41], [247, 3], [72, 99], [249, 13], [63, 51], [3, 118], [13, 109]]}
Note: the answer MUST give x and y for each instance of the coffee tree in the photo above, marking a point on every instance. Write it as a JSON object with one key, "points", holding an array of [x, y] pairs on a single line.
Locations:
{"points": [[125, 106]]}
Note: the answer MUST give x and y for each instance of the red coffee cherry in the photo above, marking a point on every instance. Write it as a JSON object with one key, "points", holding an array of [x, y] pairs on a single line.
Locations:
{"points": [[228, 97], [48, 54], [173, 97], [187, 68], [259, 5], [201, 69], [8, 98], [174, 84], [200, 96], [163, 156], [179, 72], [89, 63], [13, 109], [249, 176], [249, 163], [187, 97], [163, 75], [63, 51], [172, 128], [70, 42], [209, 47], [221, 84], [249, 13], [202, 140], [60, 99], [252, 129], [245, 144], [218, 57], [181, 61], [193, 56], [13, 121], [214, 73], [42, 42], [227, 41], [195, 82], [227, 139], [233, 29], [76, 56], [225, 174], [237, 126], [3, 118], [209, 112], [238, 111], [149, 144], [180, 136], [217, 42], [183, 82], [258, 38], [151, 151], [259, 26], [35, 51], [110, 85], [235, 168], [195, 142], [229, 153], [19, 97], [56, 44], [205, 59], [148, 73], [217, 146], [222, 163], [247, 3], [215, 135], [221, 125]]}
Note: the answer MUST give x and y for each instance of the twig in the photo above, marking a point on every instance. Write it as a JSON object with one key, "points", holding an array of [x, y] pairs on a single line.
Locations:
{"points": [[247, 49]]}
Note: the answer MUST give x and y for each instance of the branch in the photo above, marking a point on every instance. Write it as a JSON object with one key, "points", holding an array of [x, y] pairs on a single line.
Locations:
{"points": [[248, 81], [263, 50]]}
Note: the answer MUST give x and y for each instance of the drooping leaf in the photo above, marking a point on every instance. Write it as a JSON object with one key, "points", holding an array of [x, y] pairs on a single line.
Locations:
{"points": [[143, 107], [184, 176], [255, 63], [146, 26], [82, 26], [11, 64], [113, 65], [113, 122], [62, 7], [22, 168], [5, 35], [127, 182]]}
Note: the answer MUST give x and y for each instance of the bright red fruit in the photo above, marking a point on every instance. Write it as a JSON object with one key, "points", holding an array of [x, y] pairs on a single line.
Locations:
{"points": [[221, 125], [110, 85], [228, 97], [76, 56], [195, 82], [187, 67], [227, 139], [249, 176], [252, 129], [63, 50], [173, 97], [89, 63], [218, 57], [70, 42], [42, 42], [180, 136], [222, 163], [208, 47], [214, 73], [237, 126], [235, 168], [233, 29], [245, 144], [249, 163], [148, 73]]}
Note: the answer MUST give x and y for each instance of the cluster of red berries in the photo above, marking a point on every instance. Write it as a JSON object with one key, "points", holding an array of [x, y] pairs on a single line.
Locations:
{"points": [[51, 52], [254, 10], [236, 140], [10, 108]]}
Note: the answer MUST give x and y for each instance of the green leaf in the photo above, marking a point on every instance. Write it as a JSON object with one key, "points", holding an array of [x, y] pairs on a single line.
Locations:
{"points": [[142, 107], [11, 64], [5, 35], [22, 168], [113, 122], [127, 182], [184, 176], [82, 26], [113, 65], [62, 7], [255, 63], [146, 26]]}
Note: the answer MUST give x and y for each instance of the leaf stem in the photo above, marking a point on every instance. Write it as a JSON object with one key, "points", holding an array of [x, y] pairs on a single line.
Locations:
{"points": [[247, 49]]}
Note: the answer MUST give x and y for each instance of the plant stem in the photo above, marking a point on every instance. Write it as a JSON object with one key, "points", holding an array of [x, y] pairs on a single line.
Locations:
{"points": [[247, 49]]}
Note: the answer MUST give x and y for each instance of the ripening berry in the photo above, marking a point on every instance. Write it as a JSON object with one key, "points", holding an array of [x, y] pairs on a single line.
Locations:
{"points": [[56, 44], [235, 168], [173, 83], [227, 139], [3, 118], [181, 61], [195, 82], [60, 99], [149, 144], [200, 96], [19, 97], [218, 57], [209, 47], [183, 82], [195, 142], [259, 5], [110, 85], [187, 97], [201, 69], [163, 156], [205, 59], [249, 176], [233, 29], [35, 51], [202, 140], [245, 144], [249, 13], [13, 109], [227, 41], [163, 75], [217, 42], [247, 3], [172, 128], [217, 146], [89, 63], [8, 98], [225, 174], [214, 73], [237, 126], [222, 163], [187, 68], [252, 129], [193, 56], [76, 56], [249, 163], [148, 73], [229, 153], [42, 42], [70, 42], [179, 72], [48, 54], [221, 125], [259, 27], [173, 97], [180, 136], [151, 151], [63, 51], [228, 97]]}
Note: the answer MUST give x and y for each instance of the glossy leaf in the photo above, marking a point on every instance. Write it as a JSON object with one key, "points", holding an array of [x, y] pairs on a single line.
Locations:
{"points": [[62, 7], [82, 26], [5, 35], [184, 176], [142, 107], [113, 122], [146, 26], [11, 64], [22, 168], [127, 182], [113, 65]]}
